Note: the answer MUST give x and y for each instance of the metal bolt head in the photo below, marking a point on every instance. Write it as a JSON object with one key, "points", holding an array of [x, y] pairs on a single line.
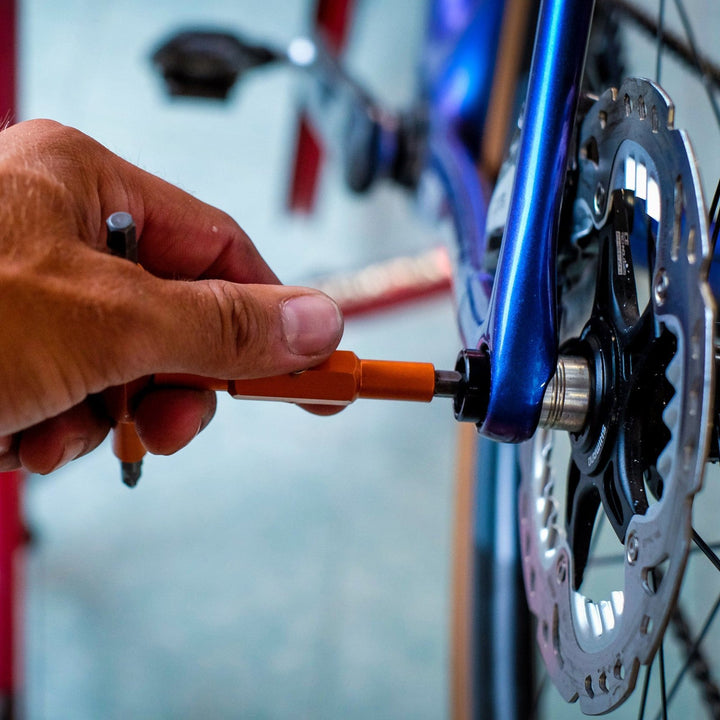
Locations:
{"points": [[632, 548], [562, 569], [660, 286], [599, 199]]}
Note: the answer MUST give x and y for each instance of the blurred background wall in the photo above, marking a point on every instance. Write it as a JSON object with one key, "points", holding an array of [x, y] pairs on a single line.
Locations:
{"points": [[284, 565]]}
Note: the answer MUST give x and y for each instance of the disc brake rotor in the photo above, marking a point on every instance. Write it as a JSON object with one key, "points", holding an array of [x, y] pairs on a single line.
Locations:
{"points": [[640, 459]]}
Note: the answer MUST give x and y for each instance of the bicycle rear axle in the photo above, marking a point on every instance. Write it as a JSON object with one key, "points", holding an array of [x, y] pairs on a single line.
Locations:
{"points": [[344, 378], [565, 404]]}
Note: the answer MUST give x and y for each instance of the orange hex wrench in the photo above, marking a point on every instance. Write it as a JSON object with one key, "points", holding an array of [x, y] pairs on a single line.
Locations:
{"points": [[340, 380]]}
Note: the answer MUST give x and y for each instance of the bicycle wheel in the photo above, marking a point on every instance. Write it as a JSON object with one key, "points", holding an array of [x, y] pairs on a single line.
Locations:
{"points": [[615, 555]]}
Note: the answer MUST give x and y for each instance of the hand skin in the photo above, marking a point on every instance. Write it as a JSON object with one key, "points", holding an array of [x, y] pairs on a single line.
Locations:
{"points": [[76, 320]]}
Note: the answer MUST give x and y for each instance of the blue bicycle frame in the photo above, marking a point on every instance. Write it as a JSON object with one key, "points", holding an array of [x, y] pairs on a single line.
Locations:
{"points": [[513, 318], [511, 315]]}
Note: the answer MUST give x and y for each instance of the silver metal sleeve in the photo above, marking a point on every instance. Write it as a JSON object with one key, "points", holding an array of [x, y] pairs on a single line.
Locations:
{"points": [[567, 397]]}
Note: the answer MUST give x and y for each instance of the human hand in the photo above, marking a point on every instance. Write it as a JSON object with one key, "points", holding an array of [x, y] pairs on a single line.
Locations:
{"points": [[77, 320]]}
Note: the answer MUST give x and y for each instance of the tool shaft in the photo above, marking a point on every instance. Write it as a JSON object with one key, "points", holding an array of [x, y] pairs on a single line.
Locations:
{"points": [[447, 383], [340, 380], [127, 446]]}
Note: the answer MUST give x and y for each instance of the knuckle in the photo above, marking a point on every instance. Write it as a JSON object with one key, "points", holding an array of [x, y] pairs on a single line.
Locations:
{"points": [[242, 325], [52, 139]]}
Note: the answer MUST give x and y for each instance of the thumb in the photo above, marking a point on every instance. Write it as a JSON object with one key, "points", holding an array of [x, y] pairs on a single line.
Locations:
{"points": [[229, 330]]}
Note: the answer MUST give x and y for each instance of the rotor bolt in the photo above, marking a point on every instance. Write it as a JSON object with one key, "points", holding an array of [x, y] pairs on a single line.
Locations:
{"points": [[632, 548], [599, 199], [661, 285], [562, 569]]}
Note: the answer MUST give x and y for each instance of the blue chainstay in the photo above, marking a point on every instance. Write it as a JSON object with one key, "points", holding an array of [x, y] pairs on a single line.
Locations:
{"points": [[516, 325]]}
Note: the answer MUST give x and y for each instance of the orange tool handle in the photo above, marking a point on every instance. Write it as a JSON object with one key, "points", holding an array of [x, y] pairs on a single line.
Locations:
{"points": [[340, 380], [121, 241], [126, 444]]}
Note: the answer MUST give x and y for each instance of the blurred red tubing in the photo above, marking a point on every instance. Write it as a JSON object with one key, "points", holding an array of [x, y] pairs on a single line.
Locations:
{"points": [[390, 283], [332, 22], [11, 525]]}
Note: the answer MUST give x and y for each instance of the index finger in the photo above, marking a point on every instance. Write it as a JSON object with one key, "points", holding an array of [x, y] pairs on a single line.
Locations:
{"points": [[182, 237], [185, 238]]}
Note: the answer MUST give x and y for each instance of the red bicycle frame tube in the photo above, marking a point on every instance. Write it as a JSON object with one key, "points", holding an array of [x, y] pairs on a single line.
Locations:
{"points": [[11, 527], [332, 22], [8, 62]]}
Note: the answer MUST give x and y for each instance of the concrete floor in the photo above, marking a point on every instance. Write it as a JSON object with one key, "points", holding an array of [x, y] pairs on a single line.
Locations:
{"points": [[284, 565]]}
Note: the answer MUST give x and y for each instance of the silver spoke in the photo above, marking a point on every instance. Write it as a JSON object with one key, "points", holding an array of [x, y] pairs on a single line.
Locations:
{"points": [[660, 45], [663, 694], [701, 67], [715, 216], [670, 41], [693, 650], [620, 557], [706, 549], [644, 696]]}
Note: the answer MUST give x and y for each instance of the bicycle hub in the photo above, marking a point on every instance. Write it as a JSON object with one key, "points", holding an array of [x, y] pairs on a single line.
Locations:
{"points": [[565, 405]]}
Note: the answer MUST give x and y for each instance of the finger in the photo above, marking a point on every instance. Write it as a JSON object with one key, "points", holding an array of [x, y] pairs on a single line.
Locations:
{"points": [[225, 330], [9, 459], [183, 237], [53, 443], [323, 410], [168, 419]]}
